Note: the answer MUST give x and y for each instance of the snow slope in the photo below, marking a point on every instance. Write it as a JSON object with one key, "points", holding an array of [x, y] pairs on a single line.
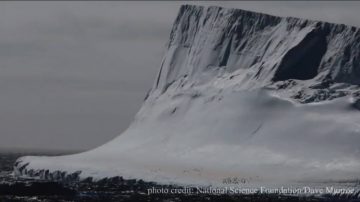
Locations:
{"points": [[238, 94]]}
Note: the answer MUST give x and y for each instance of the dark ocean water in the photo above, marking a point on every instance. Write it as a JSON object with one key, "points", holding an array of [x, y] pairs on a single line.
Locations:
{"points": [[113, 189]]}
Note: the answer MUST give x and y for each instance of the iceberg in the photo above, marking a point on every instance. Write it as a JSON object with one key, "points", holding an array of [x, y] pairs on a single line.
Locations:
{"points": [[268, 99]]}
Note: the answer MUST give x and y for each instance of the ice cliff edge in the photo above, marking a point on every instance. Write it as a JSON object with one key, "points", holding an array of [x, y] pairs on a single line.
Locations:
{"points": [[263, 49], [226, 103]]}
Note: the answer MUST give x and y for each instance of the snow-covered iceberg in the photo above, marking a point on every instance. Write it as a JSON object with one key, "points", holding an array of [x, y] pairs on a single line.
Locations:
{"points": [[267, 99]]}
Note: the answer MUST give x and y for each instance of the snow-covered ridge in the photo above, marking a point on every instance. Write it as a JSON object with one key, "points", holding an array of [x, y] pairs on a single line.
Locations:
{"points": [[225, 104], [262, 49]]}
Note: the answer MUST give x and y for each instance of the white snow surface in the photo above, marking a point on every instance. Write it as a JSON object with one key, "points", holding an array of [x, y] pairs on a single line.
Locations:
{"points": [[222, 133], [208, 118]]}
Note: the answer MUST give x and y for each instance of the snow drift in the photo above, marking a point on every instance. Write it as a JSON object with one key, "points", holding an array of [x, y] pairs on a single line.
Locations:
{"points": [[239, 94]]}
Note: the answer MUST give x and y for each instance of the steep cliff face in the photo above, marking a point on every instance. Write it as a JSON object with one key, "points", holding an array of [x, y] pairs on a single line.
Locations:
{"points": [[226, 104], [269, 50]]}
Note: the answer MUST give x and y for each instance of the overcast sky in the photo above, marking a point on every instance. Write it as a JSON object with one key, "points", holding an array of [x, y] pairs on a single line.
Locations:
{"points": [[73, 74]]}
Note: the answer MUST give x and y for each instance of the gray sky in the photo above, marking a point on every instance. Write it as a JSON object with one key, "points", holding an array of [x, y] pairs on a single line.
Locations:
{"points": [[73, 74]]}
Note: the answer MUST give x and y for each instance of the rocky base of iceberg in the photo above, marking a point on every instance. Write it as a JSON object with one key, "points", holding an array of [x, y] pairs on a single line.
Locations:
{"points": [[118, 189]]}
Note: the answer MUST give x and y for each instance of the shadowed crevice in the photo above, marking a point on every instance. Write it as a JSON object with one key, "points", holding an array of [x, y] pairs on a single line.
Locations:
{"points": [[302, 61]]}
